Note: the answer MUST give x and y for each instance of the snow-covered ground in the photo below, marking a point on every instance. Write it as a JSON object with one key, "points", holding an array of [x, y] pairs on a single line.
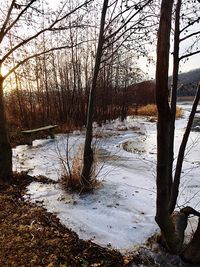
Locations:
{"points": [[120, 213]]}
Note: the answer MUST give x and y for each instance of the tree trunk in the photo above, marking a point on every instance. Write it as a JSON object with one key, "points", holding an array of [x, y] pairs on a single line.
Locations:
{"points": [[172, 226], [177, 176], [166, 222], [88, 151], [174, 88], [192, 252], [164, 116], [5, 148]]}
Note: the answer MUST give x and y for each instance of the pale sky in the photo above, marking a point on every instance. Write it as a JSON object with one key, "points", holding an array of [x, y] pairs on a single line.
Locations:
{"points": [[192, 63]]}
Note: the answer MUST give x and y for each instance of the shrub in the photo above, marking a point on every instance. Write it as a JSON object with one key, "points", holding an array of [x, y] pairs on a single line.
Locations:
{"points": [[179, 112], [151, 110], [71, 178], [148, 110]]}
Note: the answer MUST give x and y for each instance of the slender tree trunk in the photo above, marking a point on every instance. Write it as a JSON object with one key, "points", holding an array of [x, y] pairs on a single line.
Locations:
{"points": [[172, 225], [166, 222], [5, 148], [164, 115], [174, 89], [177, 176], [88, 152]]}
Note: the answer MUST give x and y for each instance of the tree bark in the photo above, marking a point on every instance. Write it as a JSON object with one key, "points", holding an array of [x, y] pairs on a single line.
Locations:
{"points": [[5, 148], [164, 117], [167, 223], [88, 151]]}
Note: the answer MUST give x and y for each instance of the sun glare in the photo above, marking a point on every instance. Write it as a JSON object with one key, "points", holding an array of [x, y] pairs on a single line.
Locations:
{"points": [[4, 70]]}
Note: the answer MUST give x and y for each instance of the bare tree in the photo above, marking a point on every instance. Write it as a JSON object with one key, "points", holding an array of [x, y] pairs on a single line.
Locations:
{"points": [[172, 225], [13, 17], [88, 152], [111, 33]]}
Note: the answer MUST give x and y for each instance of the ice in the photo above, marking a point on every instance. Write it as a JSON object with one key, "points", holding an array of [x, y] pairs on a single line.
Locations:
{"points": [[120, 213]]}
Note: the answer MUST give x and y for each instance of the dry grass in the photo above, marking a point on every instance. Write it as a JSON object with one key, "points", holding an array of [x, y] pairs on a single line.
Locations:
{"points": [[179, 112], [148, 110], [151, 110], [71, 178]]}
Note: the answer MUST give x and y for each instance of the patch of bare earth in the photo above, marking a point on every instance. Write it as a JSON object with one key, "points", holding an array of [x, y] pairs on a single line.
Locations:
{"points": [[31, 236]]}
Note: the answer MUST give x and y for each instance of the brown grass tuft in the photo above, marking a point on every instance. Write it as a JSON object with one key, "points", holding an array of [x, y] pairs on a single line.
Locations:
{"points": [[71, 178], [179, 112], [148, 110]]}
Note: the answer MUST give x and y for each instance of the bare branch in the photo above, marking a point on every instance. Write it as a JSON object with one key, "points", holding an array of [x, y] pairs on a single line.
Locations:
{"points": [[181, 153], [40, 54], [123, 25], [116, 49], [49, 28], [189, 54], [6, 21], [189, 36], [126, 30], [19, 16], [190, 24]]}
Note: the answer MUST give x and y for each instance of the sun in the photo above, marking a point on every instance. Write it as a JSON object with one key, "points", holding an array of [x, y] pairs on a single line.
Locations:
{"points": [[4, 70]]}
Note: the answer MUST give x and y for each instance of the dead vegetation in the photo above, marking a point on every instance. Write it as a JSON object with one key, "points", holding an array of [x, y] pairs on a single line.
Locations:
{"points": [[30, 236], [151, 110], [71, 178]]}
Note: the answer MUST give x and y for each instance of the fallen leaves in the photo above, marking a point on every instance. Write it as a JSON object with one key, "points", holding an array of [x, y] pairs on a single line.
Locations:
{"points": [[30, 236]]}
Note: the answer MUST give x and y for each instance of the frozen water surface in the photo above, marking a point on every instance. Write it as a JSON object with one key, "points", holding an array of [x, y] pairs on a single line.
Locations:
{"points": [[121, 212]]}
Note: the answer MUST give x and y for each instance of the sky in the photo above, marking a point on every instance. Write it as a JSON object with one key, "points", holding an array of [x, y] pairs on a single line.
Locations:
{"points": [[192, 63]]}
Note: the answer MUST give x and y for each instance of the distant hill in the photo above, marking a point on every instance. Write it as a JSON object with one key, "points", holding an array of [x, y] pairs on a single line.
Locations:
{"points": [[188, 82], [144, 92]]}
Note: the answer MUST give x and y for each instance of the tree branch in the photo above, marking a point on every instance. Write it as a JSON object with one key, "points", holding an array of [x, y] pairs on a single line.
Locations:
{"points": [[191, 23], [40, 54], [19, 16], [119, 29], [126, 30], [181, 153], [188, 36], [42, 31], [189, 54], [6, 21]]}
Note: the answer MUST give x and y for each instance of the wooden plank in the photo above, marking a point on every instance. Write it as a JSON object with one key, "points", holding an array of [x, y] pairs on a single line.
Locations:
{"points": [[46, 128]]}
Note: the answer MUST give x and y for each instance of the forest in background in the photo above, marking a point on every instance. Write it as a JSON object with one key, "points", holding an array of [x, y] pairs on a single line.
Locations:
{"points": [[53, 85]]}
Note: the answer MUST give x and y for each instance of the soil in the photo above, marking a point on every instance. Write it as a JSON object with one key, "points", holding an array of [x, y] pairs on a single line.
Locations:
{"points": [[31, 236]]}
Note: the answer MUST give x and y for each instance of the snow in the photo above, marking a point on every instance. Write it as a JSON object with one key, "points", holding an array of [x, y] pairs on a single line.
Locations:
{"points": [[120, 213]]}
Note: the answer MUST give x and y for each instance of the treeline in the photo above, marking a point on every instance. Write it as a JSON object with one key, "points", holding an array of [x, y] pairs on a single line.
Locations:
{"points": [[49, 79], [28, 109], [53, 91]]}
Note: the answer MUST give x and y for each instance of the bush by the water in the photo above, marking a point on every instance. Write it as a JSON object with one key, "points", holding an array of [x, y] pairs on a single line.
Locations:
{"points": [[151, 110]]}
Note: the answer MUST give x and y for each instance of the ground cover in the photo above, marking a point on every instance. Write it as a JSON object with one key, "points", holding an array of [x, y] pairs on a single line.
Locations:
{"points": [[31, 236]]}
